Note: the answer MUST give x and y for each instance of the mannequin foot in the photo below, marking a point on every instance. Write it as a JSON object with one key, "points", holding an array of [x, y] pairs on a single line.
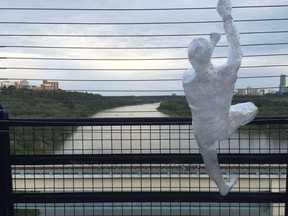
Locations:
{"points": [[225, 190]]}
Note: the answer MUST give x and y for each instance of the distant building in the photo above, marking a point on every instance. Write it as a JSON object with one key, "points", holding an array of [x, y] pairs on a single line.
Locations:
{"points": [[283, 80], [272, 91], [33, 87], [6, 84], [255, 91], [251, 91], [282, 87], [261, 92], [24, 84], [241, 92], [49, 85]]}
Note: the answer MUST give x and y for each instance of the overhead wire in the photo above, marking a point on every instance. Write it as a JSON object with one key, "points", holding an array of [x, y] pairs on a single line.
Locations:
{"points": [[126, 69], [135, 35], [137, 23], [139, 9], [129, 59], [129, 48]]}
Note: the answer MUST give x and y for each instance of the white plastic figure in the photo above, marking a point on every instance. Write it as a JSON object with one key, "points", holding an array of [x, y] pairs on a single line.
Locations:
{"points": [[209, 91]]}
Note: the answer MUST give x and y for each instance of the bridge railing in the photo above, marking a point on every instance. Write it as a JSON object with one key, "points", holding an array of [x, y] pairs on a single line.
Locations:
{"points": [[137, 166]]}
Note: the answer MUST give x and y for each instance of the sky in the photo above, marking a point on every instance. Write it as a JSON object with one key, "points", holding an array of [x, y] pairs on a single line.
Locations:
{"points": [[90, 80]]}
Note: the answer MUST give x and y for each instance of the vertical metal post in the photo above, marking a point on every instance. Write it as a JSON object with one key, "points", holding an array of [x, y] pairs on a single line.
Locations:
{"points": [[6, 188], [286, 203]]}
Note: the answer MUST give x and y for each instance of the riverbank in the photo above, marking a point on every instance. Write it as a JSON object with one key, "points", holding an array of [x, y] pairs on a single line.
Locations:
{"points": [[24, 103], [268, 105]]}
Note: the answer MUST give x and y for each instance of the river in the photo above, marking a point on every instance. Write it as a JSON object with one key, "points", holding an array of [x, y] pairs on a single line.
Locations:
{"points": [[144, 110], [161, 139]]}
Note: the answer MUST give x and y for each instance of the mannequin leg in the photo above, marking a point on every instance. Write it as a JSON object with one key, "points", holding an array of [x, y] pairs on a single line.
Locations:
{"points": [[211, 163], [241, 114]]}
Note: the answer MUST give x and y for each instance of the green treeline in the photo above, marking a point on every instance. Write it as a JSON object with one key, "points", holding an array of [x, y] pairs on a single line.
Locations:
{"points": [[31, 104], [268, 105]]}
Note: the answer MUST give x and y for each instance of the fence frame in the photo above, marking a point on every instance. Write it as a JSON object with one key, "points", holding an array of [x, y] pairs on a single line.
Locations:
{"points": [[8, 198], [6, 188]]}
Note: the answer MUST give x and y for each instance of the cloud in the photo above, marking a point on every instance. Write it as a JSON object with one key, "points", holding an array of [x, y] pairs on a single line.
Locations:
{"points": [[135, 16]]}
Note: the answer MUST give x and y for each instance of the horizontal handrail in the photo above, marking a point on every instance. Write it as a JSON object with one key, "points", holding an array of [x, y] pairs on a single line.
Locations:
{"points": [[145, 159], [233, 197], [25, 122]]}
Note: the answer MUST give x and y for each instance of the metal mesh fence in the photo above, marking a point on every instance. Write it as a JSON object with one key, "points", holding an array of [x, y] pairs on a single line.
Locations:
{"points": [[140, 139], [124, 177], [157, 209]]}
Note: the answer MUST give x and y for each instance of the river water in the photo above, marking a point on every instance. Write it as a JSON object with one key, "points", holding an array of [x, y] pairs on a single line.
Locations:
{"points": [[162, 139], [144, 110]]}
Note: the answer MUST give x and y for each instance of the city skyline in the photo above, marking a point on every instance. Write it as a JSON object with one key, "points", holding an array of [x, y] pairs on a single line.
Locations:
{"points": [[52, 85], [24, 84]]}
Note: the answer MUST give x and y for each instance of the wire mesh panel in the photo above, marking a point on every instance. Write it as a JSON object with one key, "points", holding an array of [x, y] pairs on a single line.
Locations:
{"points": [[152, 177], [117, 140], [152, 209], [141, 139]]}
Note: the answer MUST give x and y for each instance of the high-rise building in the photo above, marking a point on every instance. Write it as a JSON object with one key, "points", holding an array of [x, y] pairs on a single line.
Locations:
{"points": [[49, 85], [283, 80], [282, 87]]}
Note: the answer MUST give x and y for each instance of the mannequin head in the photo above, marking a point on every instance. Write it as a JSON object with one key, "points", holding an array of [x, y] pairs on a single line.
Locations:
{"points": [[200, 52]]}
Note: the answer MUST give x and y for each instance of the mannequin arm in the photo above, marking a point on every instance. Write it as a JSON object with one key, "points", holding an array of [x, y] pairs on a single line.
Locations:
{"points": [[224, 8]]}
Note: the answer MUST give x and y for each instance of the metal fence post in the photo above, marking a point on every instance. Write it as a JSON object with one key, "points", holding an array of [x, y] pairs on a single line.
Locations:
{"points": [[286, 204], [6, 188]]}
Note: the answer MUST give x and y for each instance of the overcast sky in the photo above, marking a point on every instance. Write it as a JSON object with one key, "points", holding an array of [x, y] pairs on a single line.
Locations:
{"points": [[134, 16]]}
